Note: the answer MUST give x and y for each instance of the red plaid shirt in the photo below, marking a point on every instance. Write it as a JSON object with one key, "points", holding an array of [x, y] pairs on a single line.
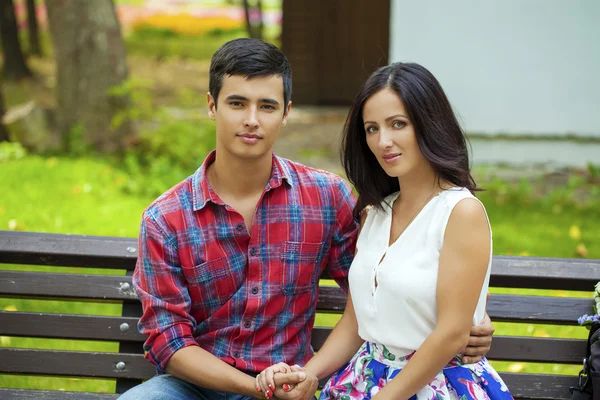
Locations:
{"points": [[249, 298]]}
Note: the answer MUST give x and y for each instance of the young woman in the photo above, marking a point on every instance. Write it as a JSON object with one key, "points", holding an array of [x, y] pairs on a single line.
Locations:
{"points": [[420, 276]]}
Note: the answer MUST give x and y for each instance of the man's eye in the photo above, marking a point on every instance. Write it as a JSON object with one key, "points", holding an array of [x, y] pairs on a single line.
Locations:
{"points": [[235, 104], [268, 107]]}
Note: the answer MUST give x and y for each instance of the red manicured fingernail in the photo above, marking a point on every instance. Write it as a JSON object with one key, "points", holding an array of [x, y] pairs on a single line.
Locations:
{"points": [[270, 386], [286, 387], [258, 389]]}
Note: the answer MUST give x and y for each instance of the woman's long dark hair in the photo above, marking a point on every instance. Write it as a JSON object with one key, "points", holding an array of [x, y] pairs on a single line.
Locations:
{"points": [[439, 136]]}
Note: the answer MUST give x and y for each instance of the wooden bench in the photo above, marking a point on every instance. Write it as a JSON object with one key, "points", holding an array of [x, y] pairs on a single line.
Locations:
{"points": [[129, 367]]}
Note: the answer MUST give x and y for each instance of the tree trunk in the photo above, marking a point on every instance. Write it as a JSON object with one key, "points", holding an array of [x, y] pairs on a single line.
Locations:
{"points": [[33, 29], [254, 31], [249, 27], [3, 132], [261, 23], [14, 67], [90, 58]]}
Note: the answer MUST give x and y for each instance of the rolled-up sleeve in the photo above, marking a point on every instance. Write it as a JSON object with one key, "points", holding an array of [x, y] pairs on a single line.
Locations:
{"points": [[161, 287], [344, 237]]}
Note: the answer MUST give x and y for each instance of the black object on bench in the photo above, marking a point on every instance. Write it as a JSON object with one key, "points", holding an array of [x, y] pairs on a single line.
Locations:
{"points": [[129, 367]]}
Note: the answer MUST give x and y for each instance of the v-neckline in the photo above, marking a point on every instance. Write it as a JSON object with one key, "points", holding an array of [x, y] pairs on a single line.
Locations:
{"points": [[391, 218]]}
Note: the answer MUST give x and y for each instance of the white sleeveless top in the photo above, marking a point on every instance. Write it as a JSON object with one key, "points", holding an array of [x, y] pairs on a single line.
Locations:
{"points": [[400, 311]]}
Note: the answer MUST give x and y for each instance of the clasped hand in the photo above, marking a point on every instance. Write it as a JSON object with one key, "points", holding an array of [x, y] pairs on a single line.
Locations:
{"points": [[280, 381]]}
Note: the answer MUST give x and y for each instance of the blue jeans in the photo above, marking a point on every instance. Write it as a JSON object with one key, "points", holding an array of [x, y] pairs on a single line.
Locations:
{"points": [[167, 387]]}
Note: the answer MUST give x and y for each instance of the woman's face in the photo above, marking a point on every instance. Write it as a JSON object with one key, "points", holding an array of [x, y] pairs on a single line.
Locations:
{"points": [[391, 135]]}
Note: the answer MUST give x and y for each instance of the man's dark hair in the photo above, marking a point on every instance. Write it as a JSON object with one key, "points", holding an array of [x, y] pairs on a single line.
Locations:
{"points": [[249, 58]]}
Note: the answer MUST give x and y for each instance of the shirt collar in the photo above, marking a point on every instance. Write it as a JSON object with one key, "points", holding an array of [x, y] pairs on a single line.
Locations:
{"points": [[203, 192]]}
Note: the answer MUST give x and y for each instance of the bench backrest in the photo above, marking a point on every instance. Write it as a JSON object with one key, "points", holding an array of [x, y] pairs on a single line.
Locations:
{"points": [[128, 366]]}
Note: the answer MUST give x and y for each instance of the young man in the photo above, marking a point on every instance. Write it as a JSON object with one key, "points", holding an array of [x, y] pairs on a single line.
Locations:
{"points": [[230, 258]]}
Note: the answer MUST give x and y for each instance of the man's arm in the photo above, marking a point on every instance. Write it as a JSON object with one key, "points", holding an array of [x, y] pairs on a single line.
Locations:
{"points": [[198, 366], [166, 320], [345, 233]]}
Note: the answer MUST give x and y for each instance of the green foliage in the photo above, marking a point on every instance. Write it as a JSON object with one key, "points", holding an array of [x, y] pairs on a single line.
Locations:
{"points": [[194, 47], [151, 32], [11, 151], [594, 171], [75, 141], [168, 148]]}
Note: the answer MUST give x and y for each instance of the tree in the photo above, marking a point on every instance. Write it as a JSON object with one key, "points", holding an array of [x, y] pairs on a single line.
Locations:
{"points": [[33, 30], [3, 132], [14, 67], [254, 30], [90, 60]]}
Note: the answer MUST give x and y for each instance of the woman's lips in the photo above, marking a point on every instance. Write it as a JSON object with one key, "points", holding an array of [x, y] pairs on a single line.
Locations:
{"points": [[391, 158]]}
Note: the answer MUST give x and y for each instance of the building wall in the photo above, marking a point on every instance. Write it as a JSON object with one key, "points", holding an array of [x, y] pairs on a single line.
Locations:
{"points": [[510, 66]]}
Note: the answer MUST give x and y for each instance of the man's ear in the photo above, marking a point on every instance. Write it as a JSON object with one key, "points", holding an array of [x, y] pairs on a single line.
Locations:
{"points": [[212, 106], [286, 113]]}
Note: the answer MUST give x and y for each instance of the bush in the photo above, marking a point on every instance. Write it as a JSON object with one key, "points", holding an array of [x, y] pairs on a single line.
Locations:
{"points": [[166, 155], [168, 148], [11, 151]]}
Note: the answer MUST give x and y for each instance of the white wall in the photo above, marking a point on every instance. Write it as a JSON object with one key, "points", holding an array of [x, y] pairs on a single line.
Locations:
{"points": [[508, 66]]}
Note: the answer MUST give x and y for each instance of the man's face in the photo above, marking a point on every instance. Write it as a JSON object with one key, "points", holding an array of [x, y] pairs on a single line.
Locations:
{"points": [[248, 115]]}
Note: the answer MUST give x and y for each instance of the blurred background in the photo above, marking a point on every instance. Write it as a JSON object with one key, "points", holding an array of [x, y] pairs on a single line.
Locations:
{"points": [[103, 108]]}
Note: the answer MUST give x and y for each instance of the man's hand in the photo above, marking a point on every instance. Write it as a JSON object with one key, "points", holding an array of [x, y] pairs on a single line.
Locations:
{"points": [[480, 341], [305, 388]]}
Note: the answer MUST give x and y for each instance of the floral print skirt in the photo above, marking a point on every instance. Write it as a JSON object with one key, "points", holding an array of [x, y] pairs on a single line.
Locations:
{"points": [[373, 366]]}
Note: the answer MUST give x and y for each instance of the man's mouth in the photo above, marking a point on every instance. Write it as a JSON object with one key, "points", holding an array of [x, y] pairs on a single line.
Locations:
{"points": [[249, 138]]}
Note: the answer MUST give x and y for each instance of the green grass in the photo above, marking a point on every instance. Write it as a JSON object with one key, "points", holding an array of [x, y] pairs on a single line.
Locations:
{"points": [[87, 196], [202, 47]]}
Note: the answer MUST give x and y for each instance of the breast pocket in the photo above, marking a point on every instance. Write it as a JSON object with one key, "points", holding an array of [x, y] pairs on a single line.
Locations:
{"points": [[213, 283], [300, 272]]}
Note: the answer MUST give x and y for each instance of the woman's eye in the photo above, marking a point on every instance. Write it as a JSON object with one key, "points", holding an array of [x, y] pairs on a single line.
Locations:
{"points": [[371, 129], [398, 124]]}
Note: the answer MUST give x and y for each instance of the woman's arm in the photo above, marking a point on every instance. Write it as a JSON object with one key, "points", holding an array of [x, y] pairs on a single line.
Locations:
{"points": [[338, 349], [463, 266], [340, 346]]}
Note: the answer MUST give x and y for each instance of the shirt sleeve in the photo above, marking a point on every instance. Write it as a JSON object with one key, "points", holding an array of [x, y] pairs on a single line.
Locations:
{"points": [[161, 287], [343, 243]]}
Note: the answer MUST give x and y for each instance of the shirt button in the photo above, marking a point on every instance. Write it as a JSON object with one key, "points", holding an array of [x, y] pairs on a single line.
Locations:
{"points": [[239, 227], [247, 324], [254, 290], [253, 251]]}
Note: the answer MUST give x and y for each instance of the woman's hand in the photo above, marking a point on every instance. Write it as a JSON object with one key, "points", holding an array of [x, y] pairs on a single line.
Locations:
{"points": [[265, 381]]}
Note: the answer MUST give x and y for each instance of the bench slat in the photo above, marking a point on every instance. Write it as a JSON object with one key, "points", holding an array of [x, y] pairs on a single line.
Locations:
{"points": [[19, 394], [66, 326], [544, 273], [512, 348], [71, 363], [92, 287], [67, 250], [501, 308], [121, 253], [522, 386], [533, 386]]}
